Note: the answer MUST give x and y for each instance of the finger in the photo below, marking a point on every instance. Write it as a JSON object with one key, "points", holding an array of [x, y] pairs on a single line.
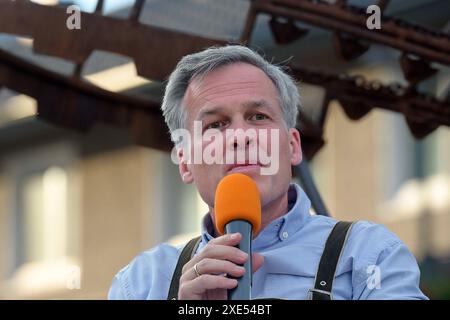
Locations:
{"points": [[215, 267], [257, 261], [220, 252], [196, 288], [231, 239]]}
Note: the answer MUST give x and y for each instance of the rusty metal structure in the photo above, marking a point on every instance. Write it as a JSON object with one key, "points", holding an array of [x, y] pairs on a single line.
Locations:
{"points": [[155, 52]]}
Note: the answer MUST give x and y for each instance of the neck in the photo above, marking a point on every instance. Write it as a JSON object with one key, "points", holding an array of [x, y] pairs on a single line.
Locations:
{"points": [[271, 211]]}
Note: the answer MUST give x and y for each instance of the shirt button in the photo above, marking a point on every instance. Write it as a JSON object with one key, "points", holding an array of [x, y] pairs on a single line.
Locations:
{"points": [[285, 235]]}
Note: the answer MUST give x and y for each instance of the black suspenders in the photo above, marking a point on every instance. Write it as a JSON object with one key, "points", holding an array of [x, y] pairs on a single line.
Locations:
{"points": [[186, 255], [325, 273], [329, 261]]}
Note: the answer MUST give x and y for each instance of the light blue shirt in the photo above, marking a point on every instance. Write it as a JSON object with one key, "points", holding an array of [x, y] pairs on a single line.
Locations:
{"points": [[375, 263]]}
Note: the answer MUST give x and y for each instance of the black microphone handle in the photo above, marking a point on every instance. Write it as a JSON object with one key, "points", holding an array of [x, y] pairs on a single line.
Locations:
{"points": [[243, 290]]}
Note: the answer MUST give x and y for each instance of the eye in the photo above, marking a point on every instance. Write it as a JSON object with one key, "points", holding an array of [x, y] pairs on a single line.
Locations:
{"points": [[215, 125], [258, 117]]}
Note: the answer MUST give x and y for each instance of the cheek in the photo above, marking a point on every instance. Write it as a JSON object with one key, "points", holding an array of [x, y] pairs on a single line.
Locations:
{"points": [[206, 179], [206, 176], [277, 141]]}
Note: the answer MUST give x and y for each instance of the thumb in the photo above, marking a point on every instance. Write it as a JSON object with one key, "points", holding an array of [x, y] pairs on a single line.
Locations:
{"points": [[257, 261]]}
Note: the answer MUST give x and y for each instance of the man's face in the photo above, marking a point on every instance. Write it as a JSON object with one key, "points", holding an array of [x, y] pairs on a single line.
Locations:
{"points": [[239, 96]]}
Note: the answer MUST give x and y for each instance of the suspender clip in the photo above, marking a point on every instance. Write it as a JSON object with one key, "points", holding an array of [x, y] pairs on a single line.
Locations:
{"points": [[320, 292]]}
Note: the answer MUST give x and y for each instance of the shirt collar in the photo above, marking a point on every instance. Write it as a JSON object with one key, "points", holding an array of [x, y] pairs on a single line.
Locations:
{"points": [[282, 228]]}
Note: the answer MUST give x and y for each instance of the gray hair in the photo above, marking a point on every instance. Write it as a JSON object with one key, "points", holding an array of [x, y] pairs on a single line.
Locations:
{"points": [[201, 63]]}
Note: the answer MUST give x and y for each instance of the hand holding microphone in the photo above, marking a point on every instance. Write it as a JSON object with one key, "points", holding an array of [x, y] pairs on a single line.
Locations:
{"points": [[238, 210], [237, 215]]}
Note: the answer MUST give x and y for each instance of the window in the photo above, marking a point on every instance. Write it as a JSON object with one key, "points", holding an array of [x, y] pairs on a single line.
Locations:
{"points": [[43, 219], [44, 213]]}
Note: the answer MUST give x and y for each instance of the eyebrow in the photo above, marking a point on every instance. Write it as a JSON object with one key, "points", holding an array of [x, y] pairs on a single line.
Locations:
{"points": [[254, 104]]}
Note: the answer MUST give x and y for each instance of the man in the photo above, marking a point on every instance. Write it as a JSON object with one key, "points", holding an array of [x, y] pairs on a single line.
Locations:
{"points": [[231, 88]]}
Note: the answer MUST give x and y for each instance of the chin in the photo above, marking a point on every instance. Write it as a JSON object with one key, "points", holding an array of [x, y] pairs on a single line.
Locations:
{"points": [[264, 183]]}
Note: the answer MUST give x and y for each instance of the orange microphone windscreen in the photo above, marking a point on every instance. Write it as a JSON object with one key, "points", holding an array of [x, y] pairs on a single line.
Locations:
{"points": [[237, 198]]}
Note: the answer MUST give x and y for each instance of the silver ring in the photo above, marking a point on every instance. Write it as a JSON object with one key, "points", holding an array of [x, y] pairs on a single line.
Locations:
{"points": [[196, 270]]}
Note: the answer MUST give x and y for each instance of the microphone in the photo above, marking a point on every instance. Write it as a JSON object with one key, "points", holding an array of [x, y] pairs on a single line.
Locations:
{"points": [[237, 208]]}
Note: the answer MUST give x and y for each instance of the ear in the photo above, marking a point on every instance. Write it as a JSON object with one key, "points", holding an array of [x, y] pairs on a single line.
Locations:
{"points": [[295, 146], [184, 168]]}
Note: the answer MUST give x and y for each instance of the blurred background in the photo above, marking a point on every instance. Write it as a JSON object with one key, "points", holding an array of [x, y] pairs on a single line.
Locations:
{"points": [[86, 179]]}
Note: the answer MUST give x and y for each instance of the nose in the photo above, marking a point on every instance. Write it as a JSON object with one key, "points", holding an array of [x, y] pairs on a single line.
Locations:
{"points": [[246, 143], [240, 137]]}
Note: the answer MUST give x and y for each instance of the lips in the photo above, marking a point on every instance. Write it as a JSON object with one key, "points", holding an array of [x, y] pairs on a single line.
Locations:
{"points": [[243, 167]]}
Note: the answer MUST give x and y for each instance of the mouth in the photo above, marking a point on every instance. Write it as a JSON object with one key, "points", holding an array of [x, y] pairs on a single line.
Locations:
{"points": [[243, 168]]}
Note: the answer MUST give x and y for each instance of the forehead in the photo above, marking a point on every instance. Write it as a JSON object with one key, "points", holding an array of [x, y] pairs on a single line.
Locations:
{"points": [[229, 84]]}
